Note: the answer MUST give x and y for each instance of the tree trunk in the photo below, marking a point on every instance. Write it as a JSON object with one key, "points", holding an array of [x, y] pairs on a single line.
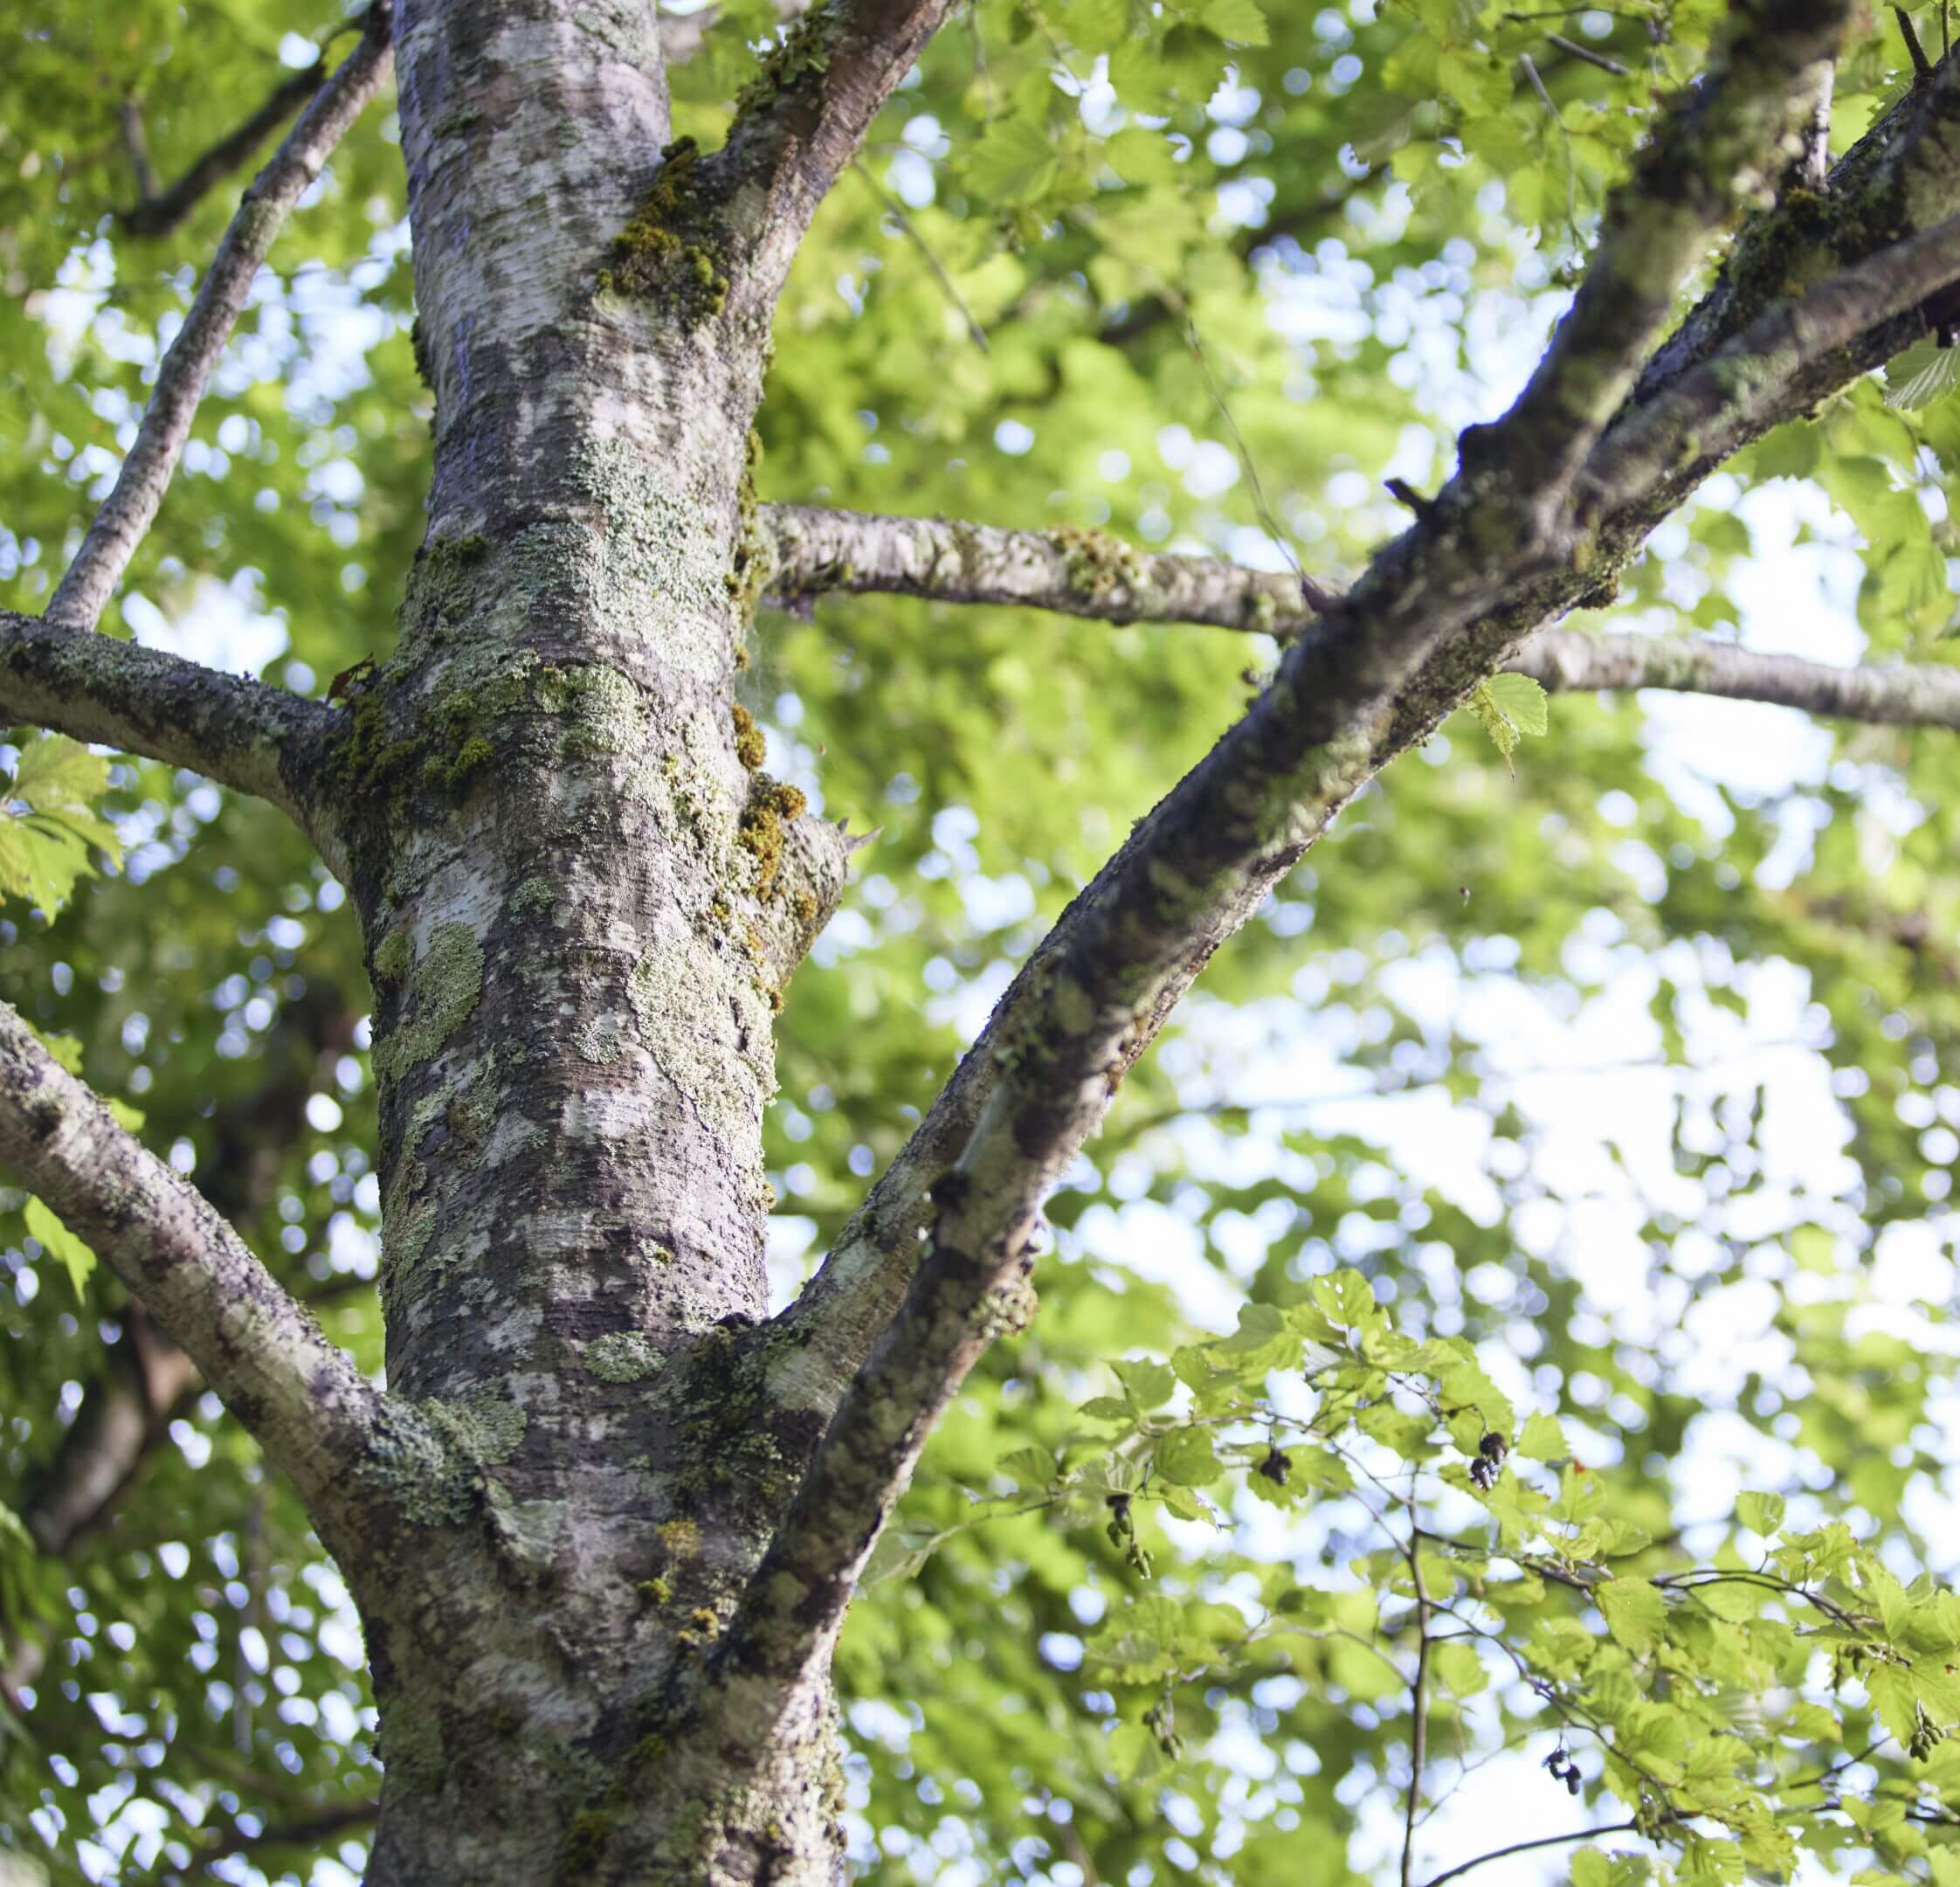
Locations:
{"points": [[576, 890]]}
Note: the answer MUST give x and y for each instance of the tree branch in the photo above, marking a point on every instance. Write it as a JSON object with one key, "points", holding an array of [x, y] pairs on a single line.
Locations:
{"points": [[935, 1264], [1916, 695], [1741, 389], [241, 733], [1725, 145], [800, 120], [158, 212], [1075, 572], [1082, 573], [1419, 1705], [82, 595], [143, 1377], [309, 1831], [310, 1408]]}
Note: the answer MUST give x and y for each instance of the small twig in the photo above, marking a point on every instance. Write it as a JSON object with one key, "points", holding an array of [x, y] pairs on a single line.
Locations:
{"points": [[1571, 172], [1319, 599], [1419, 1728], [1576, 50], [981, 71], [306, 1834], [1405, 494], [254, 1618], [130, 115], [1922, 66], [83, 592], [1525, 1847], [162, 211], [895, 209]]}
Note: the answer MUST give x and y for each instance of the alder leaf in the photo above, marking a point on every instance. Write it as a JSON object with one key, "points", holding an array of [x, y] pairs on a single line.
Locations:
{"points": [[1508, 707], [51, 824], [1760, 1513], [1014, 163], [1186, 1457], [1925, 372], [1239, 21], [1635, 1612]]}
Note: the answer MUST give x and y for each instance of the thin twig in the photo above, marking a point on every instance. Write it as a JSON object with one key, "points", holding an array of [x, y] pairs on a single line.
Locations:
{"points": [[1578, 52], [254, 1618], [1419, 1726], [1922, 66], [162, 211], [129, 114], [83, 593], [1571, 168], [1317, 598], [309, 1833], [895, 209], [1525, 1847], [981, 70]]}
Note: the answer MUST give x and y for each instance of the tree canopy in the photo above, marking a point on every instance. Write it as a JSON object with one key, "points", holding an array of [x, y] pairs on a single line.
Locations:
{"points": [[1494, 1374]]}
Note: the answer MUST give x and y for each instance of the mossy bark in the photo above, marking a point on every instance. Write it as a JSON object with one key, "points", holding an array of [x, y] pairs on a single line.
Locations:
{"points": [[564, 859]]}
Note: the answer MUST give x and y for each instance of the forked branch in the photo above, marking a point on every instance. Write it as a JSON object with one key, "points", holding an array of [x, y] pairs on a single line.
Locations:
{"points": [[83, 592], [800, 121], [1435, 612], [1091, 575], [1723, 147]]}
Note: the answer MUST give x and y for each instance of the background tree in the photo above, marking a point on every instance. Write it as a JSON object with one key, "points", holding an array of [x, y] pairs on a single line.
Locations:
{"points": [[1530, 1463]]}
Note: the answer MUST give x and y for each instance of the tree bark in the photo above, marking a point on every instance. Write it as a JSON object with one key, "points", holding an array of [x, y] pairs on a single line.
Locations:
{"points": [[579, 899]]}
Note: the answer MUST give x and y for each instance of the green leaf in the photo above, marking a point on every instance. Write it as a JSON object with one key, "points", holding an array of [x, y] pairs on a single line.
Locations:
{"points": [[1459, 1669], [1142, 156], [1737, 1600], [60, 1243], [1147, 1383], [1542, 1439], [1760, 1513], [1239, 21], [1925, 372], [1108, 1408], [1096, 23], [1346, 1298], [1014, 163], [1890, 1688], [1508, 707], [1635, 1612], [1520, 700], [1186, 1458], [51, 824], [1591, 1868]]}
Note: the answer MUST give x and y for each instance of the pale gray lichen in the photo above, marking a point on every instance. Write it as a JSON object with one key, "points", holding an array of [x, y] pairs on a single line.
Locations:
{"points": [[532, 898], [622, 1357], [598, 1041], [433, 1464], [442, 993]]}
